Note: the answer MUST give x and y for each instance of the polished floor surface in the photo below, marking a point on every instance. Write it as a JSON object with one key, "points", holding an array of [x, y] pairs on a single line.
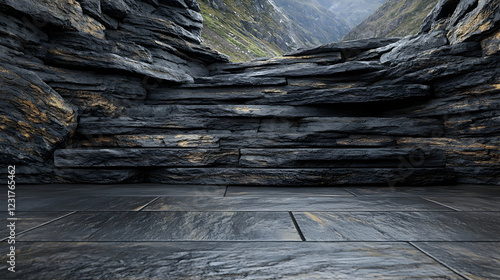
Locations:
{"points": [[152, 231]]}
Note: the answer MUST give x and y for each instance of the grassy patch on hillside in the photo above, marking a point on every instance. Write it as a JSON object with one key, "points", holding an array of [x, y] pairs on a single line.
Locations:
{"points": [[225, 30]]}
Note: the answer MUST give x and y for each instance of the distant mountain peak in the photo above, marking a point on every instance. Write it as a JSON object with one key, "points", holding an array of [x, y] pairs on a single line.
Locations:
{"points": [[394, 18]]}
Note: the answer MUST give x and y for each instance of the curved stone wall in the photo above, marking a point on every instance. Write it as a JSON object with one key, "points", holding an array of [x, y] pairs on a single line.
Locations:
{"points": [[122, 91]]}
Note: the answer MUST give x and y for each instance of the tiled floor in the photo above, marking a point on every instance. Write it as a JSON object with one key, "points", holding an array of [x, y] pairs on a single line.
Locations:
{"points": [[223, 232]]}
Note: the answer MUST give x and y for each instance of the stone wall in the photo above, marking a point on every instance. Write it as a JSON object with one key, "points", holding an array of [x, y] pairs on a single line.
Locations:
{"points": [[122, 91], [64, 59]]}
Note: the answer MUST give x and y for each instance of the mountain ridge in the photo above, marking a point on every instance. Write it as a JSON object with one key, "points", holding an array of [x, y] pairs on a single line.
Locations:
{"points": [[395, 18], [246, 29]]}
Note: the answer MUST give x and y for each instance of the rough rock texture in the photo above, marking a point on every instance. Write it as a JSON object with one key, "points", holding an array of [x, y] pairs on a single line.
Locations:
{"points": [[64, 58], [34, 118], [464, 20], [155, 106]]}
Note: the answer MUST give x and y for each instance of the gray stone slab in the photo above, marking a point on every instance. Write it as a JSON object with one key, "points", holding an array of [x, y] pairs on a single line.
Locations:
{"points": [[128, 125], [28, 220], [235, 80], [475, 125], [359, 45], [292, 203], [112, 62], [224, 261], [214, 96], [86, 203], [98, 175], [358, 125], [302, 176], [347, 157], [479, 174], [121, 190], [168, 226], [399, 226], [302, 140], [475, 260], [468, 203], [275, 62], [233, 111], [237, 191], [150, 141], [122, 157], [432, 191], [354, 95], [308, 70]]}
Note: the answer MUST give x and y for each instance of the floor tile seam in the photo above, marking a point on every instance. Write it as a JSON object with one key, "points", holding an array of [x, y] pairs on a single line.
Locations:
{"points": [[442, 204], [286, 210], [250, 241], [439, 261], [89, 239], [269, 211], [451, 241], [297, 227], [352, 193], [229, 195], [421, 196], [147, 204], [151, 196], [183, 211], [43, 224], [397, 211], [454, 195], [289, 195]]}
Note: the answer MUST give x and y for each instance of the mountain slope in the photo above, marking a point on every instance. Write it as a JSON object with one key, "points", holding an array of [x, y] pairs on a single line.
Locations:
{"points": [[395, 18], [322, 26], [242, 29], [352, 11], [246, 29]]}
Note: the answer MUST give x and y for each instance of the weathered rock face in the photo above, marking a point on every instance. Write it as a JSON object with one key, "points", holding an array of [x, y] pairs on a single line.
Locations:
{"points": [[62, 58], [463, 20], [155, 106], [34, 117]]}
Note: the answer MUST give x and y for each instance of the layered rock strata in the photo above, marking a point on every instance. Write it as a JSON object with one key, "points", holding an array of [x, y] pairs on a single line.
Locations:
{"points": [[127, 94]]}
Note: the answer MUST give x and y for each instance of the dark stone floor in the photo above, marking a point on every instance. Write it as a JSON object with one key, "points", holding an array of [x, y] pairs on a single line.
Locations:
{"points": [[216, 232]]}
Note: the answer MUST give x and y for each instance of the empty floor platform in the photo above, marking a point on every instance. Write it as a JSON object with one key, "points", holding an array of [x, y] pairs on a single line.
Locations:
{"points": [[149, 231]]}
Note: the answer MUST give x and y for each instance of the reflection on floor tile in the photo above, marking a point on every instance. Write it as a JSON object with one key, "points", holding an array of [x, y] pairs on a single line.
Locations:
{"points": [[145, 189], [476, 260], [280, 191], [227, 260], [469, 203], [399, 226], [88, 203], [293, 203], [168, 226], [460, 190], [28, 220]]}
